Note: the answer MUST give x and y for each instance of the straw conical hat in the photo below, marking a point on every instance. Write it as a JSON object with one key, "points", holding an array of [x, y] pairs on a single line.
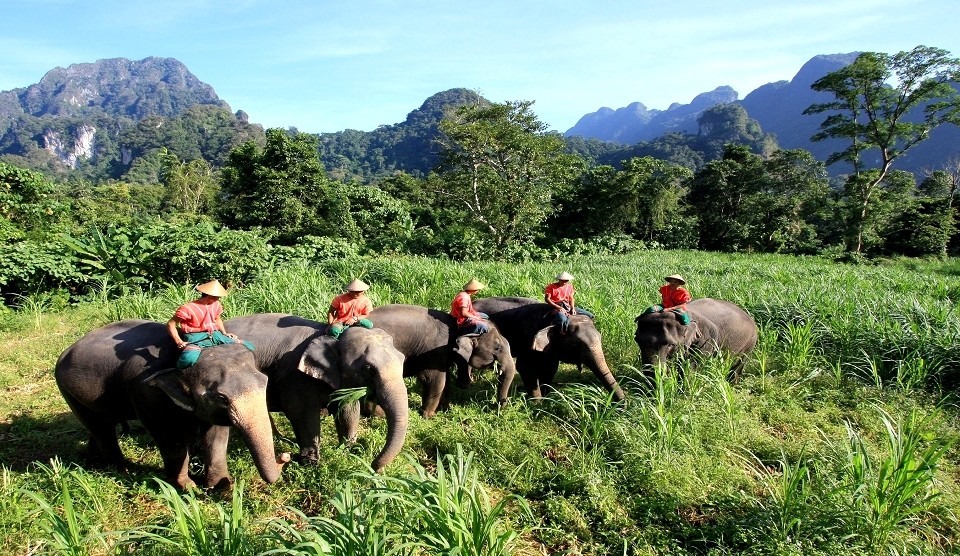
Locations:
{"points": [[212, 288], [676, 277], [564, 276], [473, 285], [357, 286]]}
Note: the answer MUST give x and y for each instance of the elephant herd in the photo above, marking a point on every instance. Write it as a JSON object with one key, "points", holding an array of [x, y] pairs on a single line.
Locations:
{"points": [[126, 371]]}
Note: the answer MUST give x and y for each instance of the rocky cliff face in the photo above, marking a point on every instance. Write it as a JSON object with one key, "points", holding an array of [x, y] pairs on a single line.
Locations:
{"points": [[64, 112], [79, 146]]}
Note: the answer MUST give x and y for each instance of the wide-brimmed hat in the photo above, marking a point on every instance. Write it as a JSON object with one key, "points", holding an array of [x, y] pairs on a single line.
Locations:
{"points": [[473, 285], [564, 276], [212, 288], [676, 277], [356, 286]]}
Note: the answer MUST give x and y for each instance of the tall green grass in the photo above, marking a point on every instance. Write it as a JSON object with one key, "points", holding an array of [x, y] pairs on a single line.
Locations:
{"points": [[826, 471]]}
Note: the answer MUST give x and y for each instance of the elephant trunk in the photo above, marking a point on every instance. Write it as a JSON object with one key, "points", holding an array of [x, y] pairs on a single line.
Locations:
{"points": [[392, 397], [508, 370], [598, 364], [250, 417]]}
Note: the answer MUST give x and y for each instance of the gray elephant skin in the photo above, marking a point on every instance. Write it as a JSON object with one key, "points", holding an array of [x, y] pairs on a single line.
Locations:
{"points": [[428, 338], [539, 345], [126, 370], [714, 324], [305, 366]]}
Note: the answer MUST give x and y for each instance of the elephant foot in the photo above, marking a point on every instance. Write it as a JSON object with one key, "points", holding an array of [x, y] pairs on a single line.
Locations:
{"points": [[224, 484], [307, 457], [184, 483]]}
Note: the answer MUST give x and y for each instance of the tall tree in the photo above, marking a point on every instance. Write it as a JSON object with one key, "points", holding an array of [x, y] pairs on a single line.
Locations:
{"points": [[884, 104], [746, 202], [502, 168], [283, 188], [190, 186]]}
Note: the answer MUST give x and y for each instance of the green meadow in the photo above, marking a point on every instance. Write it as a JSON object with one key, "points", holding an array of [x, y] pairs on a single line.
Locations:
{"points": [[841, 436]]}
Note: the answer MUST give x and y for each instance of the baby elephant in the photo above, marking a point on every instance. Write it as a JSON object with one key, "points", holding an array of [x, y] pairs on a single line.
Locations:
{"points": [[714, 325]]}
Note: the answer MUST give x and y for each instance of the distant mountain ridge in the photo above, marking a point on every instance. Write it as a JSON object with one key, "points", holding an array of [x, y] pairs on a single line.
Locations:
{"points": [[636, 122], [778, 108]]}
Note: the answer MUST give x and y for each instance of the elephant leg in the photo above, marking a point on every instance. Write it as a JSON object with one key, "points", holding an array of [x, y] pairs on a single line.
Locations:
{"points": [[172, 434], [432, 385], [531, 380], [103, 448], [464, 374], [214, 445], [176, 460], [306, 429], [347, 421]]}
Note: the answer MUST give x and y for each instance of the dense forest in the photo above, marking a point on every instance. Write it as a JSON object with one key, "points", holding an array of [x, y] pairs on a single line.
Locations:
{"points": [[202, 193]]}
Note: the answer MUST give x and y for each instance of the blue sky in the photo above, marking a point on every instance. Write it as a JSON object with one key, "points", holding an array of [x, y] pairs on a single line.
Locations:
{"points": [[327, 66]]}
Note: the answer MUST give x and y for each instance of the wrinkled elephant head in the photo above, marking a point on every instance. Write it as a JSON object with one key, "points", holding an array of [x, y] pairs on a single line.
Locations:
{"points": [[480, 351], [363, 358], [225, 388], [581, 343], [660, 335]]}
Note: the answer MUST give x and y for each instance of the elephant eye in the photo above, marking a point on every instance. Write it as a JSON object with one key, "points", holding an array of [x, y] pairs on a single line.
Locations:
{"points": [[221, 398], [368, 368]]}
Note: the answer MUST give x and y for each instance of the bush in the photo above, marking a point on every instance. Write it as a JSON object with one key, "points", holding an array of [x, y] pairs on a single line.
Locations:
{"points": [[313, 249], [28, 267]]}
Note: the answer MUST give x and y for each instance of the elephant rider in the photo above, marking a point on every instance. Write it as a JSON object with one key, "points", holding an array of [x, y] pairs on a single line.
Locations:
{"points": [[197, 325], [559, 295], [674, 297], [350, 308], [469, 320]]}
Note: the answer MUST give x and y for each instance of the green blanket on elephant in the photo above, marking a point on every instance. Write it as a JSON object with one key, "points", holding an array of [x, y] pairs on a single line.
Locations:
{"points": [[681, 314], [196, 341]]}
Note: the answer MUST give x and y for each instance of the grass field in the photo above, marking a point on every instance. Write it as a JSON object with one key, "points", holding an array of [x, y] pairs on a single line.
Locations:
{"points": [[841, 436]]}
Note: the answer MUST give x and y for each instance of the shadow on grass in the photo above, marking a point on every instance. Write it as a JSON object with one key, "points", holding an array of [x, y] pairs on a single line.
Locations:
{"points": [[26, 440]]}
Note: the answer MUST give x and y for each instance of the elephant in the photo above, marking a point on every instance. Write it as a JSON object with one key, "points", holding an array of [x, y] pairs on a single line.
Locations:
{"points": [[714, 325], [540, 346], [126, 370], [305, 366], [428, 338]]}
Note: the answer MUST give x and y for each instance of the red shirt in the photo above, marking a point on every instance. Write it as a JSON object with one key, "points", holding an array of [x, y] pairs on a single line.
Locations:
{"points": [[462, 308], [346, 308], [559, 293], [674, 297], [198, 317]]}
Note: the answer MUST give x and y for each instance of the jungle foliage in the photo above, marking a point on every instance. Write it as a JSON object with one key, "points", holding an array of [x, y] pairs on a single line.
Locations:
{"points": [[491, 181]]}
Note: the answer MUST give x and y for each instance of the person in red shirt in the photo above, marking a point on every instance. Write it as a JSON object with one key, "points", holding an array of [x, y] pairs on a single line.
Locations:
{"points": [[198, 324], [674, 297], [469, 320], [350, 309], [559, 295]]}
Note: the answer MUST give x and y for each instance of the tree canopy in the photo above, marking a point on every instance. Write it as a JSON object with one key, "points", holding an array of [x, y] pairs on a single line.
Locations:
{"points": [[884, 104]]}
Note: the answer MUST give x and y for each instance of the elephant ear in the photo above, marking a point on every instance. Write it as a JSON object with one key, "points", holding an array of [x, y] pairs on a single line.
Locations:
{"points": [[692, 334], [321, 360], [541, 341], [173, 385], [464, 346]]}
